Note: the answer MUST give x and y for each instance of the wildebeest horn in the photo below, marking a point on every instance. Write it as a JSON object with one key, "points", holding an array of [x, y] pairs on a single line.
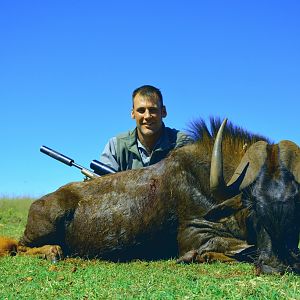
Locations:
{"points": [[290, 157], [251, 163], [217, 183]]}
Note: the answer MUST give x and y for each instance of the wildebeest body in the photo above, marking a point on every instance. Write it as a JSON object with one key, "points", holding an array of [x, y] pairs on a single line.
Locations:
{"points": [[111, 217], [128, 222], [169, 209], [101, 223], [133, 214]]}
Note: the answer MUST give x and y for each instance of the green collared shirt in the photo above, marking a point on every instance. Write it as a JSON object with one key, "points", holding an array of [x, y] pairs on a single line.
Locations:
{"points": [[125, 152]]}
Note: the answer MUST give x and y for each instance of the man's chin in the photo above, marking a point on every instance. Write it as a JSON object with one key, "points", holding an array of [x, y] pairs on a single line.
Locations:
{"points": [[148, 132]]}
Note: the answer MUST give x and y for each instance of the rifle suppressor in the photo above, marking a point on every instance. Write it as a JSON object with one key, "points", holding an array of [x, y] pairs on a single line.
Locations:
{"points": [[68, 161]]}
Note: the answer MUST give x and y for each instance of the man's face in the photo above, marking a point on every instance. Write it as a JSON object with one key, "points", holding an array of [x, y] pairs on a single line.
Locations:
{"points": [[148, 115]]}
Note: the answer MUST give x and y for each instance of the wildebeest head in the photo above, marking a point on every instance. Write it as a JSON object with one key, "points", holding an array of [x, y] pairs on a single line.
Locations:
{"points": [[268, 178]]}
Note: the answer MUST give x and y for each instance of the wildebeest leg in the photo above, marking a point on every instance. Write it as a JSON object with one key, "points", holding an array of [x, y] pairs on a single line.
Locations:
{"points": [[50, 252], [10, 247], [48, 217], [208, 257], [202, 241]]}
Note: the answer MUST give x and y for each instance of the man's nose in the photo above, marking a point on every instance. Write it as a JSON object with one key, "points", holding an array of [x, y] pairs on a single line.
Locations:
{"points": [[147, 114]]}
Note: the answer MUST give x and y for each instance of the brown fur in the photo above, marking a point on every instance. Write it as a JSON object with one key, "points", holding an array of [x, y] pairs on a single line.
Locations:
{"points": [[8, 246], [273, 162]]}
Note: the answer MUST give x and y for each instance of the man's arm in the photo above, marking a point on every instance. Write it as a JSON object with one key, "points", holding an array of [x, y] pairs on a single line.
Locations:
{"points": [[109, 154]]}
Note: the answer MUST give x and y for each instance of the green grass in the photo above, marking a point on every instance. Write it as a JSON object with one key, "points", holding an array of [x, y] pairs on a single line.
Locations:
{"points": [[33, 278], [13, 216]]}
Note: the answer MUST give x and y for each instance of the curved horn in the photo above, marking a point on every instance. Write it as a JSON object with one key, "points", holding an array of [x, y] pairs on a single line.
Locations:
{"points": [[251, 163], [217, 182]]}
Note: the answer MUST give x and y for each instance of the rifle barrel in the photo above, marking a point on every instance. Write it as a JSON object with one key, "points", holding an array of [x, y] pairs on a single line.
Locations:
{"points": [[100, 168]]}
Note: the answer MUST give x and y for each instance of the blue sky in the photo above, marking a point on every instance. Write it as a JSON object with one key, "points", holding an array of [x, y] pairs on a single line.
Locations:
{"points": [[68, 68]]}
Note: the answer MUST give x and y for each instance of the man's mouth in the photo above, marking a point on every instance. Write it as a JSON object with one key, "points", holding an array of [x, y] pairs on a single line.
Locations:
{"points": [[148, 124]]}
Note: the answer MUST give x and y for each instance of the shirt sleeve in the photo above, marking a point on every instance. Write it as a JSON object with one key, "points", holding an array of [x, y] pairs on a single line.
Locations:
{"points": [[109, 154]]}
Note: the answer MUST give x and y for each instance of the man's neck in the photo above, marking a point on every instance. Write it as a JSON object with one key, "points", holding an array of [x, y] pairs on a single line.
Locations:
{"points": [[149, 142]]}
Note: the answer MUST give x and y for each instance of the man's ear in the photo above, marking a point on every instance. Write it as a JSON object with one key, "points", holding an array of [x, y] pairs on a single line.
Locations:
{"points": [[164, 112], [132, 114]]}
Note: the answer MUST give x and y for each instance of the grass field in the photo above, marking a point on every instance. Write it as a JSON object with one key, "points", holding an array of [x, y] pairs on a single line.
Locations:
{"points": [[33, 278]]}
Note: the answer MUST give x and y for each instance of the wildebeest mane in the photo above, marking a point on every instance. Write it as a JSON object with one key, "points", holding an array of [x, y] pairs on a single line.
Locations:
{"points": [[199, 131], [236, 140]]}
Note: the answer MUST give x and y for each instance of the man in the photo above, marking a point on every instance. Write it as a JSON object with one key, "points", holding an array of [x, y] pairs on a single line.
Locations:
{"points": [[150, 141]]}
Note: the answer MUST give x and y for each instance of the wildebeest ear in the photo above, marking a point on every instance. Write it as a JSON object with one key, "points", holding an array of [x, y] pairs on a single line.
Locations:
{"points": [[255, 157], [290, 156]]}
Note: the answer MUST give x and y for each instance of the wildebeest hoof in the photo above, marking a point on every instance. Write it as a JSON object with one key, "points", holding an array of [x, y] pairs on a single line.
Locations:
{"points": [[55, 254], [49, 252], [272, 270], [210, 257], [188, 257]]}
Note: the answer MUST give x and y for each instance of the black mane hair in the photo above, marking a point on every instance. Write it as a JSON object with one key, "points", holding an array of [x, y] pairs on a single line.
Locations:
{"points": [[198, 130]]}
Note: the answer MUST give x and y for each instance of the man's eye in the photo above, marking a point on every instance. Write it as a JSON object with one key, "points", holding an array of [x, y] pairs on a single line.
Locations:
{"points": [[153, 110]]}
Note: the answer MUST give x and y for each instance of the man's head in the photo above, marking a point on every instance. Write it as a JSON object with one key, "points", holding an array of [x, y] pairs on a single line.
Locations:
{"points": [[148, 111], [148, 91]]}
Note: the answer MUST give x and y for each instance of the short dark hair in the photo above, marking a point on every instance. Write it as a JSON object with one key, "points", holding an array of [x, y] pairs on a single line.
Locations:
{"points": [[149, 91]]}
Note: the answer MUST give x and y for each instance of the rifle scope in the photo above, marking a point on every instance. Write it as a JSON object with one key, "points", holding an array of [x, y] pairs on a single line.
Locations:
{"points": [[100, 168]]}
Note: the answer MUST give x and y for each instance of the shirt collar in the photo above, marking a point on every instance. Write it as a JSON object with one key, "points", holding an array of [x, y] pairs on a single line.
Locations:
{"points": [[162, 143]]}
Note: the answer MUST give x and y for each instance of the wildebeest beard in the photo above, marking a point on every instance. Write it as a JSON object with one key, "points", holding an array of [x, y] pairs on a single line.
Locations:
{"points": [[183, 206]]}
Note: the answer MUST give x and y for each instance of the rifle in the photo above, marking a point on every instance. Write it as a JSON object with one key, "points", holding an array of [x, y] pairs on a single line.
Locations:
{"points": [[98, 168]]}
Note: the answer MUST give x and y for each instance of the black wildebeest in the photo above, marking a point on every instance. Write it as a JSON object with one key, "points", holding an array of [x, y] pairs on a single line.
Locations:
{"points": [[183, 206]]}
